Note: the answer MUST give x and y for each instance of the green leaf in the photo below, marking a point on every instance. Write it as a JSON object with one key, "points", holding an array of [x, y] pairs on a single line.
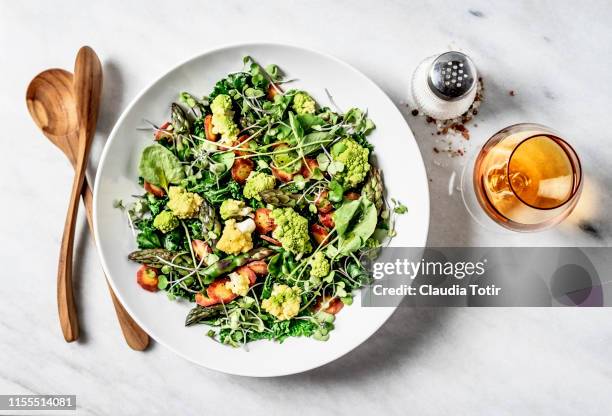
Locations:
{"points": [[313, 141], [225, 159], [359, 121], [335, 167], [160, 166], [344, 215], [323, 161], [296, 127], [253, 93], [172, 240], [299, 181], [335, 191], [188, 99], [147, 237], [308, 121], [274, 72], [355, 222], [400, 208], [162, 282]]}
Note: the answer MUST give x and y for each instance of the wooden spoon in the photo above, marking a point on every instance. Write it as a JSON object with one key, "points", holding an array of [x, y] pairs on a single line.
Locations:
{"points": [[50, 100]]}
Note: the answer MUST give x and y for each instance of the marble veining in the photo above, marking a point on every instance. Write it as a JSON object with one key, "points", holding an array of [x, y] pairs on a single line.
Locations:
{"points": [[424, 361]]}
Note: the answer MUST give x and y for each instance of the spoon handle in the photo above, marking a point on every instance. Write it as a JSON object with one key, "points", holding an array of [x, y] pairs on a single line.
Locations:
{"points": [[87, 89], [65, 298], [135, 337]]}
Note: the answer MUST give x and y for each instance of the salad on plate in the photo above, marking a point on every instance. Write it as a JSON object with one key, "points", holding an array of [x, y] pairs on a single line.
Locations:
{"points": [[259, 206]]}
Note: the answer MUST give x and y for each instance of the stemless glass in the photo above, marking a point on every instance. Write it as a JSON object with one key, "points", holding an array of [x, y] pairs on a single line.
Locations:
{"points": [[525, 178]]}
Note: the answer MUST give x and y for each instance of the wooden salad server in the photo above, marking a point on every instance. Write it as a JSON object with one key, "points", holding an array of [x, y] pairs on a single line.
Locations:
{"points": [[51, 102]]}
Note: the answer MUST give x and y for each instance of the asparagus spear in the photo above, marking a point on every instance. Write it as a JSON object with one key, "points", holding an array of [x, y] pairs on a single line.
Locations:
{"points": [[150, 256], [179, 119], [200, 313], [210, 273], [229, 263], [210, 222], [373, 188]]}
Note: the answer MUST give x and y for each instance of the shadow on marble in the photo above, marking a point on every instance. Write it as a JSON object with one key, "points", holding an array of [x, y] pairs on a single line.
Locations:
{"points": [[110, 109], [112, 97]]}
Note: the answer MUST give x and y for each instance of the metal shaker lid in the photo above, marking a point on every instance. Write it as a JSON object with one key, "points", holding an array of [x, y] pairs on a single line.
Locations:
{"points": [[452, 76]]}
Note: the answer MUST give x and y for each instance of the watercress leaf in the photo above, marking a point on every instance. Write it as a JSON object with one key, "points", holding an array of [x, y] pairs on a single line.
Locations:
{"points": [[274, 72], [316, 174], [359, 121], [335, 191], [323, 161], [399, 208], [299, 181], [188, 99], [253, 93], [160, 166], [162, 282], [347, 300], [226, 159], [335, 167]]}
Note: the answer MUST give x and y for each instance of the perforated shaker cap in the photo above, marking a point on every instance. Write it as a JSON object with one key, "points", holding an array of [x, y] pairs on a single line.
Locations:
{"points": [[452, 76]]}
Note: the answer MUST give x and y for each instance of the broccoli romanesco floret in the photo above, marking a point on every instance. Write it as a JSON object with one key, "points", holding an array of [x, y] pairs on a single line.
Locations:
{"points": [[223, 118], [354, 158], [165, 222], [256, 183], [319, 265], [236, 237], [239, 284], [183, 204], [291, 230], [303, 103], [233, 208], [283, 303]]}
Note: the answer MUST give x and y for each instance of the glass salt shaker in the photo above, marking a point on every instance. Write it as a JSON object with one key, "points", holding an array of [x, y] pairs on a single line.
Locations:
{"points": [[444, 86]]}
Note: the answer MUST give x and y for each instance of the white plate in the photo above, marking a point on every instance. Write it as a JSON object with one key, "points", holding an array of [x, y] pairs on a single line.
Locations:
{"points": [[397, 154]]}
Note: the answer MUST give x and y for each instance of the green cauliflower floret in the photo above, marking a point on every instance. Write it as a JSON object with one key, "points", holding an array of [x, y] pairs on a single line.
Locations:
{"points": [[231, 208], [256, 183], [291, 230], [183, 204], [223, 118], [165, 222], [319, 265], [303, 103], [354, 158], [283, 303]]}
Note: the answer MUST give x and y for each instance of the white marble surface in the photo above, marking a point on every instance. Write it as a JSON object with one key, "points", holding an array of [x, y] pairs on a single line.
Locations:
{"points": [[554, 54]]}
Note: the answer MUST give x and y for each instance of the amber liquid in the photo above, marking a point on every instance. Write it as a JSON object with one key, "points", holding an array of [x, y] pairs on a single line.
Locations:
{"points": [[524, 181]]}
